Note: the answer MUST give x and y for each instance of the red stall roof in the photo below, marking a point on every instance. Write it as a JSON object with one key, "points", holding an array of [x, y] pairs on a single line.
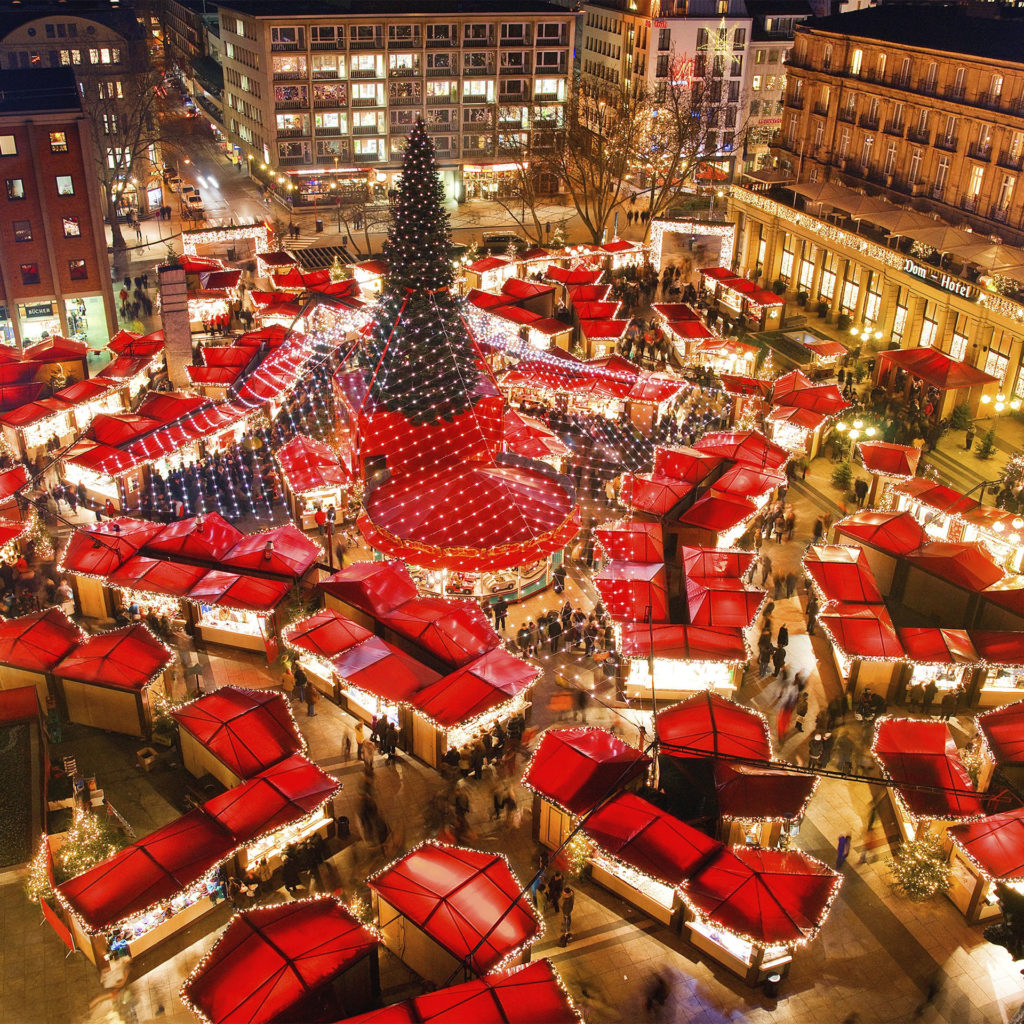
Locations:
{"points": [[885, 459], [747, 792], [577, 768], [634, 831], [246, 730], [896, 533], [715, 562], [529, 995], [207, 538], [653, 493], [823, 399], [913, 754], [707, 725], [998, 646], [38, 641], [373, 587], [455, 631], [157, 576], [279, 795], [326, 634], [634, 591], [310, 465], [383, 670], [476, 689], [841, 572], [12, 480], [721, 603], [268, 959], [936, 495], [744, 446], [682, 463], [936, 368], [284, 550], [603, 330], [458, 897], [126, 659], [653, 389], [994, 844], [748, 481], [230, 590], [935, 646], [963, 565], [686, 643], [718, 513], [862, 631], [631, 541], [767, 896], [99, 549], [1003, 729]]}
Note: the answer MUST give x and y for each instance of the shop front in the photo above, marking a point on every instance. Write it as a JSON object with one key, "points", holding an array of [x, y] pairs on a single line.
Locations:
{"points": [[39, 321]]}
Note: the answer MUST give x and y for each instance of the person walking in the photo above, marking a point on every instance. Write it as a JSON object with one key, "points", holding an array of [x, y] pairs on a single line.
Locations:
{"points": [[766, 568], [500, 614], [556, 883], [812, 613], [790, 583], [554, 634], [782, 640], [568, 902], [301, 682], [311, 698]]}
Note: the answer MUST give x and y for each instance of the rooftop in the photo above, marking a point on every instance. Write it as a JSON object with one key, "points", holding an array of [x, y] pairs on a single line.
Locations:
{"points": [[994, 35], [423, 10], [120, 18], [38, 90]]}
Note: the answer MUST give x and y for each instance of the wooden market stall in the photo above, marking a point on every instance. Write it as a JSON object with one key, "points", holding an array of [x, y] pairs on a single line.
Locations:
{"points": [[314, 477], [31, 646], [982, 854]]}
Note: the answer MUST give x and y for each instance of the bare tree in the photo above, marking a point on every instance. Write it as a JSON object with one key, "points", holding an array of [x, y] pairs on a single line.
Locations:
{"points": [[358, 211], [525, 186], [126, 130]]}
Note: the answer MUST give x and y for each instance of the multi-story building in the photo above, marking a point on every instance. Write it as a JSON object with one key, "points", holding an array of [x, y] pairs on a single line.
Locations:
{"points": [[927, 112], [191, 38], [643, 46], [54, 270], [771, 36], [319, 93], [106, 46]]}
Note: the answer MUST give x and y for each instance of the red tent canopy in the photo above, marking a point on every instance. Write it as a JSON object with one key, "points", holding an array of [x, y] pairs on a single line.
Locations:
{"points": [[283, 550], [127, 659], [653, 389], [963, 565], [372, 587], [841, 572], [718, 513], [326, 634], [938, 496], [824, 399], [279, 795], [475, 689], [529, 995], [246, 730], [994, 844], [765, 896], [653, 493], [269, 959], [885, 459], [805, 418], [684, 463], [707, 725], [634, 591], [936, 368], [736, 385], [249, 593], [274, 335], [207, 538], [455, 631], [913, 754], [745, 446], [38, 641], [149, 871], [999, 646], [751, 793], [577, 768], [631, 541], [603, 330], [721, 603], [634, 831], [1003, 729], [686, 643], [748, 481], [572, 277], [863, 631], [935, 646], [12, 480], [715, 562], [157, 576], [384, 671], [896, 533], [97, 550], [458, 897], [310, 465]]}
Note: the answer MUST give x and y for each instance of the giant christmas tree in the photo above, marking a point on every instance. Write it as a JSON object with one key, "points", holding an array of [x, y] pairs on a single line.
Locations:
{"points": [[419, 358]]}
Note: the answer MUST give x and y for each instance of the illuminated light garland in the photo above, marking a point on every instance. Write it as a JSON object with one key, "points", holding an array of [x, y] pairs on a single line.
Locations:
{"points": [[258, 233], [726, 232]]}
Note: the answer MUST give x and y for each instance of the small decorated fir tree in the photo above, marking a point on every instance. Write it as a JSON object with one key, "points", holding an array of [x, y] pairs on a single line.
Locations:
{"points": [[920, 868]]}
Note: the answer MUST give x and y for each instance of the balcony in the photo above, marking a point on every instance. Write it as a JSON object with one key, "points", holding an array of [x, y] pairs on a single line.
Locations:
{"points": [[415, 43], [442, 101], [365, 73], [479, 41], [446, 152], [327, 74], [546, 97], [403, 72], [477, 150], [969, 203], [868, 121], [980, 150], [405, 101], [922, 135], [551, 69], [292, 133], [290, 76], [947, 142], [402, 129], [292, 161], [366, 44], [847, 116], [513, 41], [441, 44], [441, 72], [478, 72], [323, 131], [955, 93], [365, 129], [927, 87], [367, 158], [515, 69], [327, 44], [937, 192], [1011, 161], [291, 104], [795, 100], [367, 101], [476, 99], [283, 47], [821, 109], [999, 213], [329, 101]]}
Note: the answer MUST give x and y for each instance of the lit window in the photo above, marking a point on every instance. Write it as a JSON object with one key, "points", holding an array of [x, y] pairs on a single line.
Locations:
{"points": [[22, 230], [77, 270], [58, 142], [29, 273], [8, 147], [65, 186], [15, 188], [72, 228]]}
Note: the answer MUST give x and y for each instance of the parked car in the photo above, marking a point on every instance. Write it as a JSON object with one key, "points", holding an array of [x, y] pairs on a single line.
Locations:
{"points": [[174, 183], [497, 243]]}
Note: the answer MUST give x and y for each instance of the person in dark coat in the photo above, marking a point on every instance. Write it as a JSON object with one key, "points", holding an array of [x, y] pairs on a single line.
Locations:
{"points": [[554, 634], [783, 638]]}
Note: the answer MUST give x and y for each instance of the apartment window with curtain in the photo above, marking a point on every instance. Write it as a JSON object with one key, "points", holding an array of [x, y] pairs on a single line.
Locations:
{"points": [[958, 337], [929, 325]]}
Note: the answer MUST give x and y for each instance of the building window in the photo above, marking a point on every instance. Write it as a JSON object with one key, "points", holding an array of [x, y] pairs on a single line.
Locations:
{"points": [[958, 337], [15, 188], [976, 180], [22, 230], [8, 147], [755, 83], [826, 60], [30, 273], [65, 186], [77, 270], [996, 365], [915, 167], [72, 228], [856, 60], [58, 142]]}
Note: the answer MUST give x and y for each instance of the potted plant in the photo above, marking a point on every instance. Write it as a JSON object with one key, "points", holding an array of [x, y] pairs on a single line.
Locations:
{"points": [[821, 309], [843, 322], [801, 298]]}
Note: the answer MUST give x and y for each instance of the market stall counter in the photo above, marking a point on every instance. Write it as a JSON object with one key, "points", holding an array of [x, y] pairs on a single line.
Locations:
{"points": [[982, 854]]}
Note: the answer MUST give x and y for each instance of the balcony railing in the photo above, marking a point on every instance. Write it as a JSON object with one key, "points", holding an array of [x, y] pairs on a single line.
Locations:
{"points": [[324, 130], [848, 116], [280, 47], [980, 150], [937, 192], [795, 100], [405, 101], [1012, 161], [999, 213], [368, 158], [479, 41], [969, 203], [474, 72], [336, 101], [292, 133], [515, 69], [441, 101], [441, 72], [327, 44], [403, 72], [365, 129], [922, 135], [365, 73], [367, 101], [291, 104], [366, 44], [894, 128], [821, 109], [321, 74], [869, 121], [441, 44], [946, 142], [289, 76], [955, 92], [415, 43], [292, 161], [927, 87]]}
